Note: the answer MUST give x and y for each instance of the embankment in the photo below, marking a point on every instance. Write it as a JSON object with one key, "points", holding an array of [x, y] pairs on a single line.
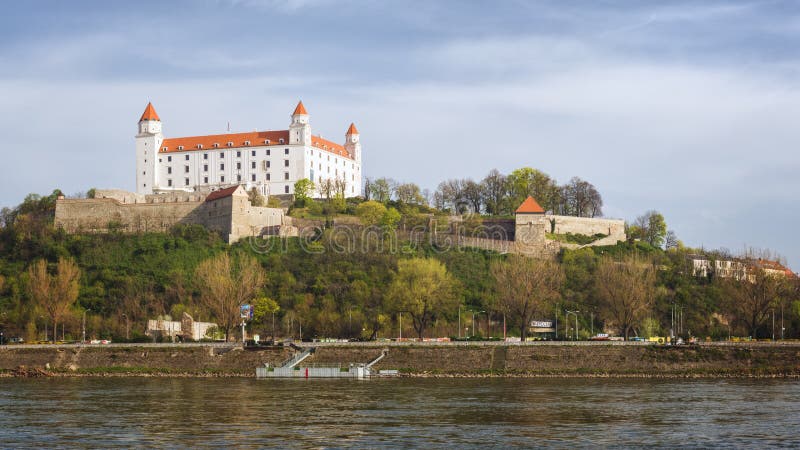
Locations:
{"points": [[741, 360]]}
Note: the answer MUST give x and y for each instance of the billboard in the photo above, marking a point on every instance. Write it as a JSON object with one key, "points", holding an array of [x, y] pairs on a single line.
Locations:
{"points": [[542, 326], [246, 312]]}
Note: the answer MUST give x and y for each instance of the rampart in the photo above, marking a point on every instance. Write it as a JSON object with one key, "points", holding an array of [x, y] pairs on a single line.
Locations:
{"points": [[231, 215]]}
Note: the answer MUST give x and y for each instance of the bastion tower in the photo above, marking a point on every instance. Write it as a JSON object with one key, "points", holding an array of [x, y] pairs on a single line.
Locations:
{"points": [[148, 141]]}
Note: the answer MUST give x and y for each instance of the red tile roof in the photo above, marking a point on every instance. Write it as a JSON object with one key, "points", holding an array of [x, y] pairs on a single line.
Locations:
{"points": [[300, 109], [529, 206], [149, 113], [255, 139], [222, 193], [333, 147], [352, 129]]}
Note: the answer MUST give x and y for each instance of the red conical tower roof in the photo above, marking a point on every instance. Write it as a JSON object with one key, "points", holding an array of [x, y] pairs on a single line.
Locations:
{"points": [[300, 109], [149, 113], [530, 206], [352, 129]]}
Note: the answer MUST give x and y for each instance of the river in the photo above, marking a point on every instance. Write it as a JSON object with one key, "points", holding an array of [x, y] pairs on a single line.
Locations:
{"points": [[432, 413]]}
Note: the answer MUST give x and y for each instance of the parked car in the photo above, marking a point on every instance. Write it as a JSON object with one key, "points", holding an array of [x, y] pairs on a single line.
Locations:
{"points": [[16, 340]]}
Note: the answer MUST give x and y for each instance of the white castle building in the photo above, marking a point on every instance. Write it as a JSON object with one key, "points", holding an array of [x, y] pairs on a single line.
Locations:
{"points": [[271, 161]]}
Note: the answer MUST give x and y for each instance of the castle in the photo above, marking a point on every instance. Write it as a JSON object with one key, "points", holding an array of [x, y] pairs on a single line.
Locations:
{"points": [[270, 161]]}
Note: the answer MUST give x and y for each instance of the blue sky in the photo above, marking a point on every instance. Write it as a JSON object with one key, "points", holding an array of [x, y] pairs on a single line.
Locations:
{"points": [[689, 108]]}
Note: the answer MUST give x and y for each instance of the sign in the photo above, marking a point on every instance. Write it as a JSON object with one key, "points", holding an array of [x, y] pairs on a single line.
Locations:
{"points": [[542, 323], [246, 312]]}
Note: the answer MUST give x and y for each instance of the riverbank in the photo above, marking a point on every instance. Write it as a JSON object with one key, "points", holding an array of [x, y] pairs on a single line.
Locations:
{"points": [[415, 360]]}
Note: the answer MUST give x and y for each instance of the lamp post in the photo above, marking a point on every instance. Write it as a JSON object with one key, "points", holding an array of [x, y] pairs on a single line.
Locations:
{"points": [[127, 327], [473, 319], [459, 321], [401, 327], [350, 324], [575, 313], [83, 326]]}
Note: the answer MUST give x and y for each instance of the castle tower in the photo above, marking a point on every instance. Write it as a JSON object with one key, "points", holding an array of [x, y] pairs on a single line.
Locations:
{"points": [[529, 230], [148, 141], [300, 129], [351, 142]]}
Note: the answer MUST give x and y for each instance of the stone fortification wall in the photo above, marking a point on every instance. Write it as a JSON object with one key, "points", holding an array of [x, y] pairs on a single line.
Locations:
{"points": [[231, 216], [614, 228], [103, 214]]}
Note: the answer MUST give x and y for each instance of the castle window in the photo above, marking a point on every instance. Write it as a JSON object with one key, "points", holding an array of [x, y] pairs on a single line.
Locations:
{"points": [[185, 169], [246, 142], [238, 166], [238, 154], [267, 177], [221, 154], [286, 151], [267, 152], [266, 141], [169, 158], [165, 149], [281, 140], [222, 166], [253, 177], [205, 180], [169, 169], [199, 146], [286, 189], [286, 175], [185, 181], [253, 153], [169, 183], [187, 157], [216, 145], [238, 178], [253, 165], [205, 155], [285, 163], [230, 144], [180, 147], [222, 179], [267, 162]]}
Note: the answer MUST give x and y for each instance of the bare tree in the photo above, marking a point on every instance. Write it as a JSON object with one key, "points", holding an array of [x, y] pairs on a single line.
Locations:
{"points": [[226, 283], [494, 188], [525, 287], [752, 298], [381, 189], [625, 290], [327, 188], [54, 293]]}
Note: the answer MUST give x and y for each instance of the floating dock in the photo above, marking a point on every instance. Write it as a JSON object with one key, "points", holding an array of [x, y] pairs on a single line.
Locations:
{"points": [[291, 368]]}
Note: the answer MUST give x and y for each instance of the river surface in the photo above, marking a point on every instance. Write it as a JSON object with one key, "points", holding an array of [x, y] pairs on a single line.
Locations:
{"points": [[430, 413]]}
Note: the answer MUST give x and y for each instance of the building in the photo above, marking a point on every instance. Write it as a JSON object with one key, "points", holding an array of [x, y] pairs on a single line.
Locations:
{"points": [[270, 161], [737, 268], [187, 329]]}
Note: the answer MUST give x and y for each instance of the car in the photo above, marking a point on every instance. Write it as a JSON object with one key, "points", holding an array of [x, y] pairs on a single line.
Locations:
{"points": [[16, 340]]}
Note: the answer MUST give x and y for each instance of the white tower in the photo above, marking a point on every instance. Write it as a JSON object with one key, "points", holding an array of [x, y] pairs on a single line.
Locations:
{"points": [[352, 144], [148, 141], [300, 129]]}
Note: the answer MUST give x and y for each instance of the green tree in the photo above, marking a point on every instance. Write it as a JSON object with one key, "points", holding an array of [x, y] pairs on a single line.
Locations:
{"points": [[650, 227], [303, 189], [423, 289], [528, 181], [370, 212], [390, 219], [526, 286], [263, 308], [381, 190]]}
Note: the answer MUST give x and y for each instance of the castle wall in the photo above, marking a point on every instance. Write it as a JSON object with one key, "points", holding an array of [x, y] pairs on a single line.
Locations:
{"points": [[614, 228]]}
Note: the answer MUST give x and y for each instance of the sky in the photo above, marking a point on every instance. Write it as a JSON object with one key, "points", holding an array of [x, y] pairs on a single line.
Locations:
{"points": [[687, 108]]}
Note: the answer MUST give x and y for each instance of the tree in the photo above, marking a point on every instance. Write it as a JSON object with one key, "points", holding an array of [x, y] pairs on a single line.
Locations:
{"points": [[752, 298], [424, 289], [303, 189], [327, 188], [370, 212], [528, 181], [525, 287], [381, 190], [580, 198], [390, 219], [671, 240], [625, 290], [651, 228], [255, 197], [409, 194], [473, 195], [263, 307], [494, 189], [54, 293], [226, 283]]}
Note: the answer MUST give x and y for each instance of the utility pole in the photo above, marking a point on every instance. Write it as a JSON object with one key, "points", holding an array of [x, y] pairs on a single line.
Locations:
{"points": [[459, 321], [84, 326], [401, 326]]}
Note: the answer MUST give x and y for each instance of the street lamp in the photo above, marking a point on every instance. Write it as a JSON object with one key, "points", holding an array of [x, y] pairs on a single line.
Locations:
{"points": [[84, 326], [473, 319], [575, 313], [127, 327], [459, 321]]}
